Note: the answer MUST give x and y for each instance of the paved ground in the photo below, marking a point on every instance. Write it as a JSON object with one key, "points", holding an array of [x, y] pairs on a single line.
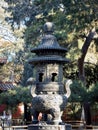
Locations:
{"points": [[80, 128]]}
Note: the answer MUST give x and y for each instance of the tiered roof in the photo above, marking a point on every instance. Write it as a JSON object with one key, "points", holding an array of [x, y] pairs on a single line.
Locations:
{"points": [[49, 49]]}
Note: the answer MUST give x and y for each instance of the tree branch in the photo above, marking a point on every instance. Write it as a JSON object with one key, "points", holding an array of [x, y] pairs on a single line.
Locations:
{"points": [[84, 50]]}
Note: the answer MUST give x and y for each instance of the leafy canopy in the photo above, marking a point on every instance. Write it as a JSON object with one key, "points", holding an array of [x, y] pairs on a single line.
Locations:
{"points": [[13, 97]]}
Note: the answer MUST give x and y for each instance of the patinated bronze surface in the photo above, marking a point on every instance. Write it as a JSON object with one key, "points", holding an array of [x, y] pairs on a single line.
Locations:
{"points": [[48, 87]]}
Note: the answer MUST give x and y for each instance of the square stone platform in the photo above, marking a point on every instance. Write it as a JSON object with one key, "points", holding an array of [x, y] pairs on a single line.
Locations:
{"points": [[49, 127]]}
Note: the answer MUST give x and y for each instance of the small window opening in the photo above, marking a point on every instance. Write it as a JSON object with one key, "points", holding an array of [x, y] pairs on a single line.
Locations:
{"points": [[54, 77], [41, 77]]}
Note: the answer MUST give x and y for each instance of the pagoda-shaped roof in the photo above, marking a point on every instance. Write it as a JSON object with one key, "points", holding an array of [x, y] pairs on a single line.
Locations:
{"points": [[49, 49], [49, 41]]}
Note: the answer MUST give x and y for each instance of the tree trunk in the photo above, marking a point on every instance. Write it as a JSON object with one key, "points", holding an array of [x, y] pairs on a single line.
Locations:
{"points": [[84, 52], [82, 72], [27, 114], [87, 112]]}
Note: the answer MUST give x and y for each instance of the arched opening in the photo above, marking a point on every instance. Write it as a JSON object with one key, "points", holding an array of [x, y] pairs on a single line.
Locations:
{"points": [[41, 77], [54, 77]]}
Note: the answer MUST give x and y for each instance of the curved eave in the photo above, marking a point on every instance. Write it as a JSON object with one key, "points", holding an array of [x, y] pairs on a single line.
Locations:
{"points": [[48, 59], [42, 49]]}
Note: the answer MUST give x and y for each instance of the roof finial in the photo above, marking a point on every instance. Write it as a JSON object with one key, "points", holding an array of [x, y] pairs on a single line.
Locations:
{"points": [[48, 27]]}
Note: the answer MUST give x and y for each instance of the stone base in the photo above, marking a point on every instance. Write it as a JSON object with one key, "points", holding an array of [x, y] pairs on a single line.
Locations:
{"points": [[49, 127]]}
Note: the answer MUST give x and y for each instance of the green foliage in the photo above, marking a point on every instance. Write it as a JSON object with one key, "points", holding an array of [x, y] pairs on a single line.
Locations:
{"points": [[79, 92], [71, 17], [76, 12], [91, 71], [94, 92], [13, 97]]}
